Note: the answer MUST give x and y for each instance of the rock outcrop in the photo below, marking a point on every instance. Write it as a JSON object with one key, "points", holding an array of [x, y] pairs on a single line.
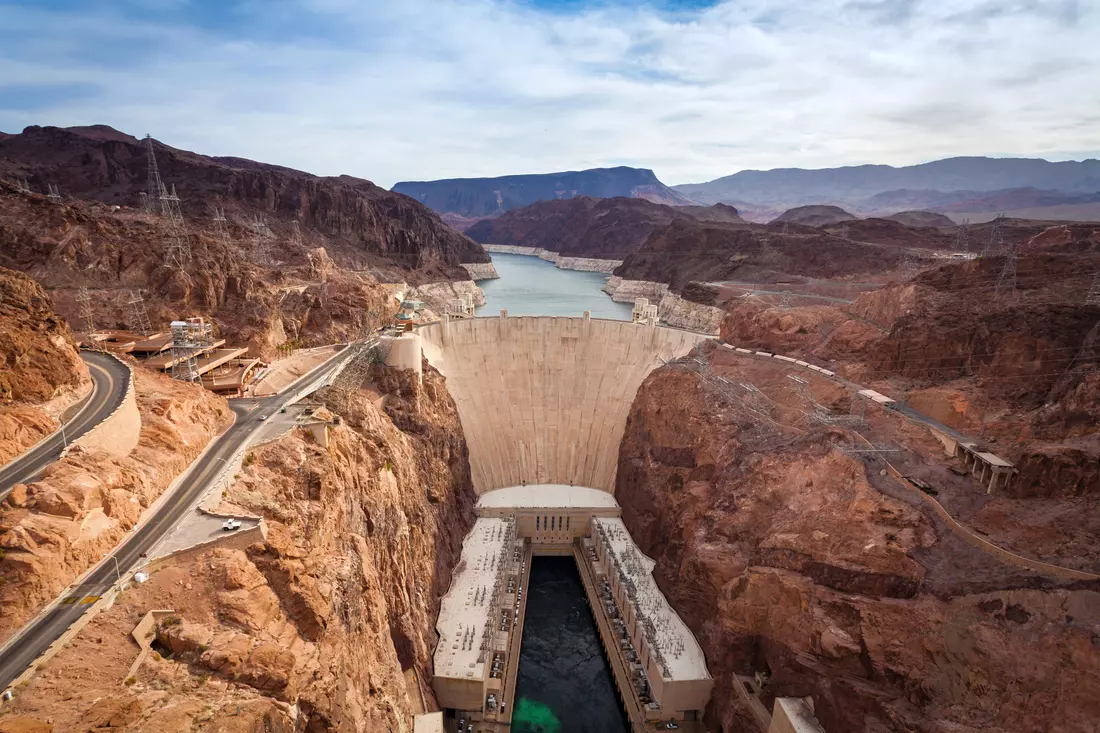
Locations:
{"points": [[41, 372], [298, 258], [605, 229], [84, 504], [815, 215], [326, 626], [789, 558]]}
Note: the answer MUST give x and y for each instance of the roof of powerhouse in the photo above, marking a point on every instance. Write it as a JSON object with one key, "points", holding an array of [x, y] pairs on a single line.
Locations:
{"points": [[676, 644], [464, 612], [548, 496]]}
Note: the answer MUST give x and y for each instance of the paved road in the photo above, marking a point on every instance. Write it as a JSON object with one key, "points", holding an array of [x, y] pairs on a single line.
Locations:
{"points": [[36, 637], [110, 378]]}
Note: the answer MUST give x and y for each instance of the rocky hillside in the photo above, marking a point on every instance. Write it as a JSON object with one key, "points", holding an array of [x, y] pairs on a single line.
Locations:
{"points": [[486, 197], [326, 626], [687, 251], [359, 224], [1017, 368], [920, 219], [815, 216], [54, 529], [851, 184], [41, 372], [789, 558], [609, 228], [259, 294]]}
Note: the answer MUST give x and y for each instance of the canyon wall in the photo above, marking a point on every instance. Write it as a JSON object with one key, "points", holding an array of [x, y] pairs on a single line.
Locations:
{"points": [[545, 400], [41, 372], [57, 527], [328, 625], [789, 557]]}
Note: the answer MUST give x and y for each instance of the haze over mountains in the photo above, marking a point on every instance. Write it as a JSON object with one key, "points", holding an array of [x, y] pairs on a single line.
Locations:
{"points": [[964, 187], [483, 197]]}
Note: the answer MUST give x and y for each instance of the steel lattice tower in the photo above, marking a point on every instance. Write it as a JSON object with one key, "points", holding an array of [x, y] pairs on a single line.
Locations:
{"points": [[1006, 285], [156, 190], [53, 194], [295, 233], [996, 243], [139, 316], [1093, 298], [84, 297], [962, 237], [221, 225]]}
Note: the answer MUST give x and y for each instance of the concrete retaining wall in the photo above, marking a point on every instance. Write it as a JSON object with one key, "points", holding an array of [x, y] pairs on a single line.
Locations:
{"points": [[239, 540], [118, 434], [545, 400]]}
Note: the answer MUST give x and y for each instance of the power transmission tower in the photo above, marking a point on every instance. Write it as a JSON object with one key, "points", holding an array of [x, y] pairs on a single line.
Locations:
{"points": [[189, 339], [221, 225], [962, 238], [84, 297], [53, 194], [996, 243], [155, 191], [295, 233], [139, 316], [844, 232], [1006, 285], [179, 249], [23, 186], [786, 227], [1093, 298]]}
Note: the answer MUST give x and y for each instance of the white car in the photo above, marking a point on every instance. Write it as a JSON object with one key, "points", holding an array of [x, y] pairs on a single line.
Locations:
{"points": [[231, 525]]}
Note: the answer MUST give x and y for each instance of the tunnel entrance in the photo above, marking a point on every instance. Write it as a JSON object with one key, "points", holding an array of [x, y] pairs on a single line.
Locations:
{"points": [[564, 683]]}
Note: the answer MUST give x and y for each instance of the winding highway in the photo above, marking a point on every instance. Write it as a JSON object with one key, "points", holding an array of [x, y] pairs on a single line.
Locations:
{"points": [[36, 636], [110, 380]]}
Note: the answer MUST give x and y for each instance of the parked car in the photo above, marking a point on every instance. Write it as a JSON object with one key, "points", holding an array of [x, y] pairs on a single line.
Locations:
{"points": [[231, 525]]}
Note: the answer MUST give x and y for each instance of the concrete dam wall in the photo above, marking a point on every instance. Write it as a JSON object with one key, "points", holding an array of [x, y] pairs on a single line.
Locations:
{"points": [[544, 400]]}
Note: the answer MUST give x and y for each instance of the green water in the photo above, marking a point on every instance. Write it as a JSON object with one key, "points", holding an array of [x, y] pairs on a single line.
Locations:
{"points": [[564, 684], [532, 715]]}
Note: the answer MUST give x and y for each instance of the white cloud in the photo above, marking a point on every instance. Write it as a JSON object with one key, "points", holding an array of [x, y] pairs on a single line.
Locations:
{"points": [[424, 89]]}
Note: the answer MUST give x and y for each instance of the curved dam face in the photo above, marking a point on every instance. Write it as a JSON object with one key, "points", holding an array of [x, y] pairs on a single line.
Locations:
{"points": [[544, 400]]}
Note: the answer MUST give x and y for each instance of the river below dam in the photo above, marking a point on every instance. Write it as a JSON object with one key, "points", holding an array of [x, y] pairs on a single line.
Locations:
{"points": [[529, 286], [564, 683]]}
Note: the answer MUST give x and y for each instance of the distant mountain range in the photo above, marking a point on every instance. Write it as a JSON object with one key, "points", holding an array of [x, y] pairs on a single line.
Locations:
{"points": [[486, 197], [952, 185]]}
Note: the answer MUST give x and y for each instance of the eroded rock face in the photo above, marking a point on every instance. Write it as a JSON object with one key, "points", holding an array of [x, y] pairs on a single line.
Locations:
{"points": [[786, 556], [40, 370], [328, 625], [84, 504]]}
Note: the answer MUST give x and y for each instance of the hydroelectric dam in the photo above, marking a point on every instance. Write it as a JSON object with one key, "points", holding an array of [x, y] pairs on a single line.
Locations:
{"points": [[543, 403]]}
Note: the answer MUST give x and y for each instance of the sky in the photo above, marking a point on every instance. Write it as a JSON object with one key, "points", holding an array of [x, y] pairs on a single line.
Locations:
{"points": [[693, 89]]}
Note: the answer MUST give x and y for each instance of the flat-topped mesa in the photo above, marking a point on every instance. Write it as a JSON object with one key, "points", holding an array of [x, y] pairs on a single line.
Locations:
{"points": [[543, 399]]}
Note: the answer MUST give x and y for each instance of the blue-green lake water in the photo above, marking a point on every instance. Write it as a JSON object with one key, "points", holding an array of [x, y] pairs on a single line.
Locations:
{"points": [[529, 286]]}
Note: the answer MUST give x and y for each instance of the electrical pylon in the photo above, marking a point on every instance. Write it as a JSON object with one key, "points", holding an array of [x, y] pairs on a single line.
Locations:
{"points": [[155, 191], [295, 233], [962, 238], [53, 194], [139, 316], [1093, 298], [1006, 285], [221, 225], [84, 297], [996, 243]]}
